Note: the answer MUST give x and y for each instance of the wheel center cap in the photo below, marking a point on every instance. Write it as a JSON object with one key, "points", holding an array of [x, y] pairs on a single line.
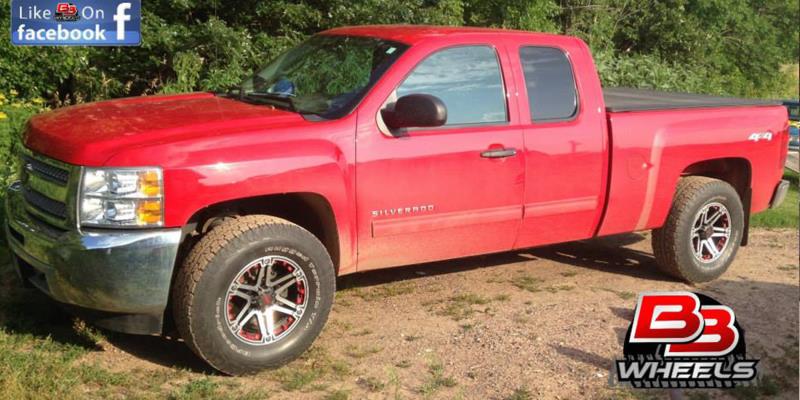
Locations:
{"points": [[707, 232], [265, 298]]}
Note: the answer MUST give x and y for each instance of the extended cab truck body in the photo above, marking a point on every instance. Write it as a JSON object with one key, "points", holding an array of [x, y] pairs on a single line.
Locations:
{"points": [[365, 148]]}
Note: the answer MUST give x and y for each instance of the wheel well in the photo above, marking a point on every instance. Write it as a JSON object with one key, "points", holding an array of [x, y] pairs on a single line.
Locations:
{"points": [[309, 210], [735, 171]]}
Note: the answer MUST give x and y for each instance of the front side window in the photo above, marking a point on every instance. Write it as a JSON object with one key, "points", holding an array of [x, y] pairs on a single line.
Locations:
{"points": [[327, 75], [550, 84], [467, 79]]}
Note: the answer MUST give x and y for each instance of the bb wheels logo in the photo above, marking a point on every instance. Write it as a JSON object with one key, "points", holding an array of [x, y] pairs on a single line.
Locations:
{"points": [[684, 340], [67, 12]]}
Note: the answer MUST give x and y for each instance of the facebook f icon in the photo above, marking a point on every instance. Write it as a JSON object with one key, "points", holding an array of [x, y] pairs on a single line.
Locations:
{"points": [[121, 17]]}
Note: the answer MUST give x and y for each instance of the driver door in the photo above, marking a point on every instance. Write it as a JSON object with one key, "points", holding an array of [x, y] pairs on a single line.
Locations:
{"points": [[427, 194]]}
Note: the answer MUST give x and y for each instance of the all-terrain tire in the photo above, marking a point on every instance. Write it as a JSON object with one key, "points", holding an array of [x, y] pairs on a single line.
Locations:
{"points": [[201, 292], [673, 242]]}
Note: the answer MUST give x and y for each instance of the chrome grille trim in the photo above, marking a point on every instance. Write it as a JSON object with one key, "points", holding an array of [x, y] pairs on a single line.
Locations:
{"points": [[45, 204], [49, 189], [47, 171]]}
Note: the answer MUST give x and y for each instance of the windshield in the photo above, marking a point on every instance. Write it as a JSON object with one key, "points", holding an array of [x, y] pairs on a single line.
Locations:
{"points": [[327, 75]]}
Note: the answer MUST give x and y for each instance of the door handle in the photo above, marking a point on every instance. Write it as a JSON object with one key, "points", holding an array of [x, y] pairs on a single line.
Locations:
{"points": [[499, 153]]}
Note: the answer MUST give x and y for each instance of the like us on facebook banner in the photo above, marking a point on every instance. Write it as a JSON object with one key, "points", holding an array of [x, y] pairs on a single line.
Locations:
{"points": [[78, 23]]}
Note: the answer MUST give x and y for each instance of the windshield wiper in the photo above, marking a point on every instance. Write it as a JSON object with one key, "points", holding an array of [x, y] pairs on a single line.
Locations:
{"points": [[270, 98], [275, 99]]}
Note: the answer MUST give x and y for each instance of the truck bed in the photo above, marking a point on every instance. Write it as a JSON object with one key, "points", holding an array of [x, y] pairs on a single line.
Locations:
{"points": [[629, 99]]}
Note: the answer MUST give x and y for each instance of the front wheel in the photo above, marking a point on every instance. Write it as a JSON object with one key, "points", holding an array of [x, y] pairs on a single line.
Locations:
{"points": [[703, 231], [253, 293]]}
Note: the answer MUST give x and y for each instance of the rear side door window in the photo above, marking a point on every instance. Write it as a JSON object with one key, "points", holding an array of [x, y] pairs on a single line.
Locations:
{"points": [[467, 79], [550, 84]]}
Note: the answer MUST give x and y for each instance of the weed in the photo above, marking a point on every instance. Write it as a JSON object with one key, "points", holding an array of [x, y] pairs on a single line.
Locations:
{"points": [[297, 379], [501, 297], [521, 393], [384, 291], [411, 338], [529, 283], [362, 332], [370, 383], [361, 352], [767, 385], [203, 388], [337, 395], [460, 307], [436, 380], [622, 294], [559, 288]]}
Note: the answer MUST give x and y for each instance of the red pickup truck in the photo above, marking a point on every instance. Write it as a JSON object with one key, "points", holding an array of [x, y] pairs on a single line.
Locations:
{"points": [[230, 215]]}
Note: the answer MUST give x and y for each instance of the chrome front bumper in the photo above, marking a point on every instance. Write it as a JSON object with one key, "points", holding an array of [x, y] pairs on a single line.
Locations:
{"points": [[123, 272]]}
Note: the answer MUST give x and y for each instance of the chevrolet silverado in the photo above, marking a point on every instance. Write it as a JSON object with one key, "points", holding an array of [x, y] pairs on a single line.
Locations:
{"points": [[228, 216]]}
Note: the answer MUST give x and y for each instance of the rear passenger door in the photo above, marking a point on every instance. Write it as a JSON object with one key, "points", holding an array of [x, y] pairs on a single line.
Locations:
{"points": [[565, 141]]}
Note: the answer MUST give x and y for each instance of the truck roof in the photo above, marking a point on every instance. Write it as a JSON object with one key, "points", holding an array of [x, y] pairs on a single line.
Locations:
{"points": [[411, 34]]}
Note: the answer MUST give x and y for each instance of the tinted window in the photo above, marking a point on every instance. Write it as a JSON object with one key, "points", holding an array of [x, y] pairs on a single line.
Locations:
{"points": [[551, 87], [466, 79], [794, 112]]}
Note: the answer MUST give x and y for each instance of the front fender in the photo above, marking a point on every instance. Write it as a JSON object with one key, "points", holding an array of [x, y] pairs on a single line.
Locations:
{"points": [[199, 174]]}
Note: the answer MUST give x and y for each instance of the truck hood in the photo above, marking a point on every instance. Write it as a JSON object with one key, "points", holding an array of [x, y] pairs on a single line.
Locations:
{"points": [[90, 134]]}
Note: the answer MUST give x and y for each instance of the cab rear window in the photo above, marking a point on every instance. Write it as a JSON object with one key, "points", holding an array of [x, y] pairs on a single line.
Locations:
{"points": [[550, 83]]}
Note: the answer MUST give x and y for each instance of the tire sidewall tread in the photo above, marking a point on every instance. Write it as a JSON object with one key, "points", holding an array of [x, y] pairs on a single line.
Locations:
{"points": [[670, 242], [208, 267]]}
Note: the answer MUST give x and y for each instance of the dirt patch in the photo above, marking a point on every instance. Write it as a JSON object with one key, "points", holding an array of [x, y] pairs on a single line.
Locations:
{"points": [[541, 323]]}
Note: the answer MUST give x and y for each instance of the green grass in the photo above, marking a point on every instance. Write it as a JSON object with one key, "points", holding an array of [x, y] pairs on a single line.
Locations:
{"points": [[203, 388], [787, 215], [337, 395], [298, 379], [436, 380], [622, 294], [380, 292], [361, 352], [520, 394], [46, 354], [371, 384], [529, 283], [461, 306]]}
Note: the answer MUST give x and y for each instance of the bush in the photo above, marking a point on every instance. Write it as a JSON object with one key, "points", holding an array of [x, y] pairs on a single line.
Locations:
{"points": [[14, 113]]}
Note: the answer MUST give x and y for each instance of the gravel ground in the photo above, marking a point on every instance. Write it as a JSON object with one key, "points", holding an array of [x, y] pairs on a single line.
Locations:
{"points": [[542, 323]]}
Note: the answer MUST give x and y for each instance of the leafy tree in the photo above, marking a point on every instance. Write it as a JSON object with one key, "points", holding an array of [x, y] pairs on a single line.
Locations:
{"points": [[735, 47]]}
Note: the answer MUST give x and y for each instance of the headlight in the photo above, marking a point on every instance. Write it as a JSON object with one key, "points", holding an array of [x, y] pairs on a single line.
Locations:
{"points": [[128, 197]]}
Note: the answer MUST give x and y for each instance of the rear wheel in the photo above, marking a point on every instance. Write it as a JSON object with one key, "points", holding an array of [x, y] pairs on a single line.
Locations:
{"points": [[253, 293], [703, 231]]}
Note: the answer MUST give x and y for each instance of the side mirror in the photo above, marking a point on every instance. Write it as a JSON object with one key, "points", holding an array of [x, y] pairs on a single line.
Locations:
{"points": [[416, 111]]}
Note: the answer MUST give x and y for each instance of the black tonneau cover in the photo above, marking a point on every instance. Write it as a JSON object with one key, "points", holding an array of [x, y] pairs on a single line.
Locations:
{"points": [[628, 99]]}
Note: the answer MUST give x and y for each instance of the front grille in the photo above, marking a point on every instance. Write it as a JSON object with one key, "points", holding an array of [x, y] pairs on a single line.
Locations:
{"points": [[45, 204], [16, 235], [46, 171], [49, 189]]}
